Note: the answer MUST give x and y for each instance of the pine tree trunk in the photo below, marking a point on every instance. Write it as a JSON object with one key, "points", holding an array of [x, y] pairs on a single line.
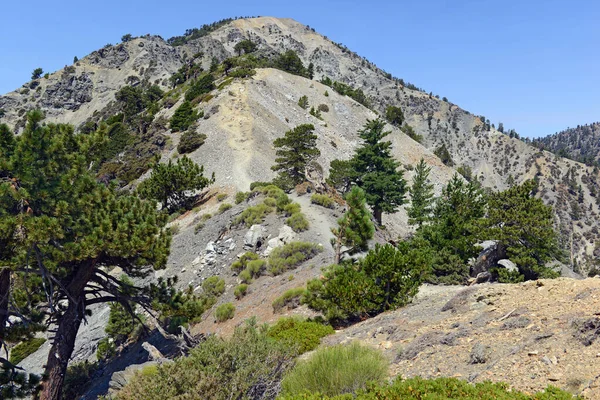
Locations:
{"points": [[377, 215], [64, 340], [4, 289]]}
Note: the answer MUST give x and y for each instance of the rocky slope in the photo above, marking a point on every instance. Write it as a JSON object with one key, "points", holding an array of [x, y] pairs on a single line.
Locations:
{"points": [[581, 143], [532, 334]]}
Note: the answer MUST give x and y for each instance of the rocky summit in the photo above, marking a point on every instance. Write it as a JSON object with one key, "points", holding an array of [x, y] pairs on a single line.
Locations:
{"points": [[239, 228]]}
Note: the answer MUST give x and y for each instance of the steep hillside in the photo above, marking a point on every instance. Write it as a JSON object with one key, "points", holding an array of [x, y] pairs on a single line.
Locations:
{"points": [[581, 143], [81, 92]]}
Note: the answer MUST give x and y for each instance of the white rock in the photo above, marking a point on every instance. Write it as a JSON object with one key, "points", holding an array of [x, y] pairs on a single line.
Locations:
{"points": [[509, 265]]}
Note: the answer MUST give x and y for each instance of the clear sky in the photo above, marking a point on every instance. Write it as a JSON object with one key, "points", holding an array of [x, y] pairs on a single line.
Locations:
{"points": [[532, 64]]}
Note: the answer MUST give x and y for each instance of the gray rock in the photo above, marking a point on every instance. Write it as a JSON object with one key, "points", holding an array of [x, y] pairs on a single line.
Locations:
{"points": [[254, 237], [480, 354], [509, 265]]}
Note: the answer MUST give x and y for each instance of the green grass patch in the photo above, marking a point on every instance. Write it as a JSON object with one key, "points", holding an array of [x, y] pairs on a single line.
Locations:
{"points": [[224, 207], [240, 291], [290, 299], [253, 215], [241, 264], [301, 334], [298, 222]]}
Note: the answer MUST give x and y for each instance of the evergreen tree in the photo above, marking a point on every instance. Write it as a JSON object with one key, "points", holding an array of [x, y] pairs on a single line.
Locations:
{"points": [[295, 150], [290, 62], [454, 230], [37, 73], [171, 184], [184, 116], [311, 70], [421, 195], [70, 231], [523, 227], [341, 175], [394, 115], [376, 170], [355, 228], [245, 46]]}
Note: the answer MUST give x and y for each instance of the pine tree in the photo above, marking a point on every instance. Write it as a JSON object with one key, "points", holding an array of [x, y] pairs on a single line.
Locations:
{"points": [[171, 184], [376, 170], [355, 228], [523, 227], [71, 229], [341, 175], [454, 230], [421, 195], [394, 115], [295, 150], [184, 116], [311, 70]]}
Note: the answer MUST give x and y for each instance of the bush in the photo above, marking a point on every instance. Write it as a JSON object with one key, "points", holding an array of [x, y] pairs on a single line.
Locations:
{"points": [[336, 370], [25, 349], [214, 286], [224, 312], [303, 335], [242, 73], [209, 373], [240, 197], [355, 291], [322, 200], [290, 255], [106, 349], [190, 140], [253, 215], [323, 107], [201, 86], [221, 196], [245, 276], [184, 117], [239, 265], [291, 208], [240, 291], [77, 379], [290, 299], [258, 184], [303, 102], [224, 207], [298, 222], [441, 388], [256, 268]]}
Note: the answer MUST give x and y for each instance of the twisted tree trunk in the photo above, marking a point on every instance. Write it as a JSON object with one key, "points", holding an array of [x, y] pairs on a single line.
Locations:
{"points": [[64, 340]]}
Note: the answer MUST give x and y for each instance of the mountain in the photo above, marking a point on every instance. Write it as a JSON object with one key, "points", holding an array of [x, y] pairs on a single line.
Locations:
{"points": [[581, 143], [254, 115]]}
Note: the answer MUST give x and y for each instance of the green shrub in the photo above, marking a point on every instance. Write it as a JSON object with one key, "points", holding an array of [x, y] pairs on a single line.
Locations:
{"points": [[355, 291], [224, 312], [201, 86], [256, 268], [225, 83], [298, 222], [239, 265], [242, 73], [77, 379], [303, 102], [300, 334], [240, 291], [210, 372], [290, 298], [184, 117], [258, 184], [190, 140], [240, 197], [245, 276], [291, 208], [214, 286], [271, 202], [106, 349], [224, 207], [121, 326], [322, 200], [442, 389], [25, 349], [253, 215], [290, 255], [336, 370]]}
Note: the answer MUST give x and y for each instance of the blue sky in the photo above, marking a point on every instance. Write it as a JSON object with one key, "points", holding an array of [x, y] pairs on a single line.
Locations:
{"points": [[531, 64]]}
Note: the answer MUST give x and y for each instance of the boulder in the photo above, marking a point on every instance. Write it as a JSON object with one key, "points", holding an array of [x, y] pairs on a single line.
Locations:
{"points": [[509, 265], [488, 258], [254, 238]]}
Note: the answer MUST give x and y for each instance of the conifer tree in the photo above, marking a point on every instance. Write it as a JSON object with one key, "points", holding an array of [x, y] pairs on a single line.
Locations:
{"points": [[355, 227], [171, 184], [376, 170], [71, 229], [295, 150], [523, 227], [421, 195]]}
